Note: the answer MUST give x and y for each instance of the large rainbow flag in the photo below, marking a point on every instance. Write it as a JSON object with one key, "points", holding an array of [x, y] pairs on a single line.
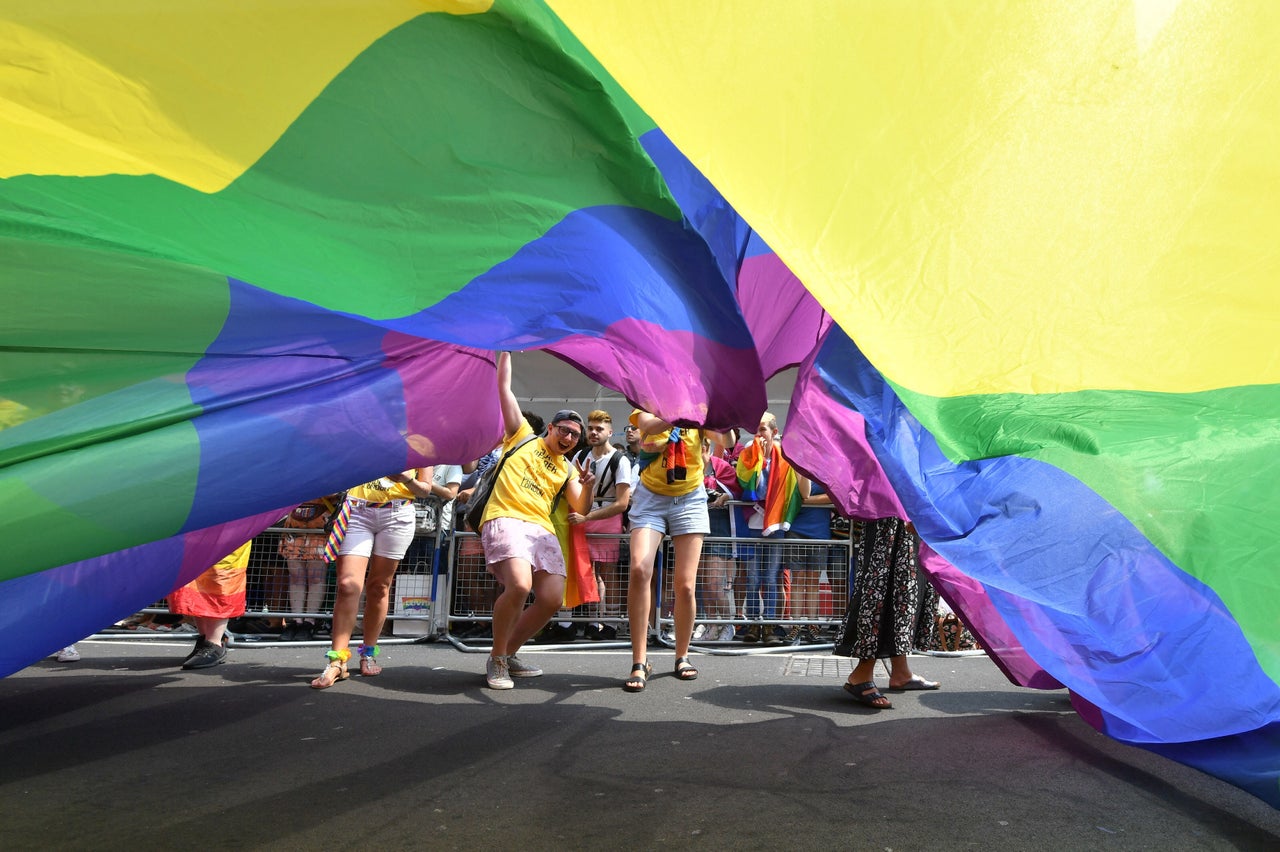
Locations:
{"points": [[1052, 229], [256, 251]]}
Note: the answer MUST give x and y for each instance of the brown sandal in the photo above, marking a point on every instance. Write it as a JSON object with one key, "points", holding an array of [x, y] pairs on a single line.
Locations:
{"points": [[338, 667], [368, 665]]}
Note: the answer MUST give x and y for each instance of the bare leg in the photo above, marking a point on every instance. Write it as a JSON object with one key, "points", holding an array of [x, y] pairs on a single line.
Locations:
{"points": [[351, 571], [644, 546], [377, 593], [516, 577], [684, 582], [212, 629], [548, 592]]}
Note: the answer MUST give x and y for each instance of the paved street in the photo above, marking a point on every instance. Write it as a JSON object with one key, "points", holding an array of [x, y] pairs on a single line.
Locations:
{"points": [[123, 750]]}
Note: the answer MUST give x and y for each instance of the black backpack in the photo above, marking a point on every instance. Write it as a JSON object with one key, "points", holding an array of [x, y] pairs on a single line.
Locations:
{"points": [[484, 487], [610, 476]]}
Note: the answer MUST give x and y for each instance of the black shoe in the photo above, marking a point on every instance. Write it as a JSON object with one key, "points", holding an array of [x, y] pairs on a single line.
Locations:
{"points": [[306, 631], [608, 632], [290, 633], [593, 632], [200, 643], [205, 656], [560, 633]]}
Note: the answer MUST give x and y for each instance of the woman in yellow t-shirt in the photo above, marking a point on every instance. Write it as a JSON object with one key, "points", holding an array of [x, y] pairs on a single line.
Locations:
{"points": [[374, 528], [669, 500], [521, 550]]}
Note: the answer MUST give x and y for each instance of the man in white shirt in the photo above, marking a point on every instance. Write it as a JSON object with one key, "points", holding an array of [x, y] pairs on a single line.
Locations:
{"points": [[609, 501], [434, 518]]}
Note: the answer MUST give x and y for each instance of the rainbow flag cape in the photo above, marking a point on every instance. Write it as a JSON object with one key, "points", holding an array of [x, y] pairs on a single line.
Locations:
{"points": [[580, 582], [779, 492]]}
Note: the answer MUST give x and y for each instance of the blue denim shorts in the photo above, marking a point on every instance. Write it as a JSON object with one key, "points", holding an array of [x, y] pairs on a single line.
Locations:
{"points": [[671, 515]]}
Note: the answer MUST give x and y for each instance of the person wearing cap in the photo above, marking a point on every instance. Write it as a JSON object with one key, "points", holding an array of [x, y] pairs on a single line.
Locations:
{"points": [[520, 545], [669, 500]]}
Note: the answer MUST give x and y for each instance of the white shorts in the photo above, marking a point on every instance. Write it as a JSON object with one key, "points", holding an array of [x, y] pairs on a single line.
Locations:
{"points": [[385, 531], [512, 538]]}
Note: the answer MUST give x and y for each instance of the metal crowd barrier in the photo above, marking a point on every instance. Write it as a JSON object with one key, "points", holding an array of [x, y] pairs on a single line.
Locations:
{"points": [[411, 612], [443, 592], [819, 568]]}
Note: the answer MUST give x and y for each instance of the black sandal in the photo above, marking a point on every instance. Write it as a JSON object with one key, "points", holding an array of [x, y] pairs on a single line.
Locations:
{"points": [[639, 677], [870, 699], [685, 669]]}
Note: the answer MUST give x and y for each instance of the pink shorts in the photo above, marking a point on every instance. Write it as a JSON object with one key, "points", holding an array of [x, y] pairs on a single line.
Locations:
{"points": [[604, 549], [512, 538]]}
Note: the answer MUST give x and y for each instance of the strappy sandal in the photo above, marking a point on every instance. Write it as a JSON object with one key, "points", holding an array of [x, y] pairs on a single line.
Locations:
{"points": [[685, 669], [368, 665], [868, 695], [639, 677], [337, 663]]}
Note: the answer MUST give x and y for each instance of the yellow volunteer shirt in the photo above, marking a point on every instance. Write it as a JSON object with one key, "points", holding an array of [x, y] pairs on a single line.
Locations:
{"points": [[654, 475], [528, 482], [382, 490]]}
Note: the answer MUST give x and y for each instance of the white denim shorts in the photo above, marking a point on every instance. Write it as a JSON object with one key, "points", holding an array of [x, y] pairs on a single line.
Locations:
{"points": [[671, 515], [385, 531]]}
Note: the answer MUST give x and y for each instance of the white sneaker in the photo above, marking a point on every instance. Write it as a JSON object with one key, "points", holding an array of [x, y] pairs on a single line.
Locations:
{"points": [[68, 654], [699, 631], [727, 633], [496, 674], [518, 668]]}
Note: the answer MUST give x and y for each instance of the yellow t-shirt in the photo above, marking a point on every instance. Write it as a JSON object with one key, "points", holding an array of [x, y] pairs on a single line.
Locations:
{"points": [[528, 482], [654, 475], [382, 490]]}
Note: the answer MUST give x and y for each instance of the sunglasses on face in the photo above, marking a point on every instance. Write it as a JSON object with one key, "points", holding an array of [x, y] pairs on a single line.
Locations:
{"points": [[566, 432]]}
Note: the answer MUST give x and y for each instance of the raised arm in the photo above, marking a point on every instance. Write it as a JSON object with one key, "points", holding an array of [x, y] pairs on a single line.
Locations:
{"points": [[651, 424], [511, 416]]}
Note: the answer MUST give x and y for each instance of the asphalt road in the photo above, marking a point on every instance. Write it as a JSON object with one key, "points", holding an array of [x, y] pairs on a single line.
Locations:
{"points": [[123, 750]]}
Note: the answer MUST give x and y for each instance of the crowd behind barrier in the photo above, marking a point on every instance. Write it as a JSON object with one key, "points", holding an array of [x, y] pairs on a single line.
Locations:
{"points": [[442, 591]]}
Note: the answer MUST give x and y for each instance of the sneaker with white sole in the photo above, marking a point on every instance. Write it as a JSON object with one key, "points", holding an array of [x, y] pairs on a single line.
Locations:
{"points": [[699, 632], [517, 667], [496, 674], [68, 654], [727, 633]]}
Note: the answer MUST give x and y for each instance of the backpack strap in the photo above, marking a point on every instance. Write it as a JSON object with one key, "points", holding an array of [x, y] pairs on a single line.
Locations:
{"points": [[610, 476], [556, 502]]}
